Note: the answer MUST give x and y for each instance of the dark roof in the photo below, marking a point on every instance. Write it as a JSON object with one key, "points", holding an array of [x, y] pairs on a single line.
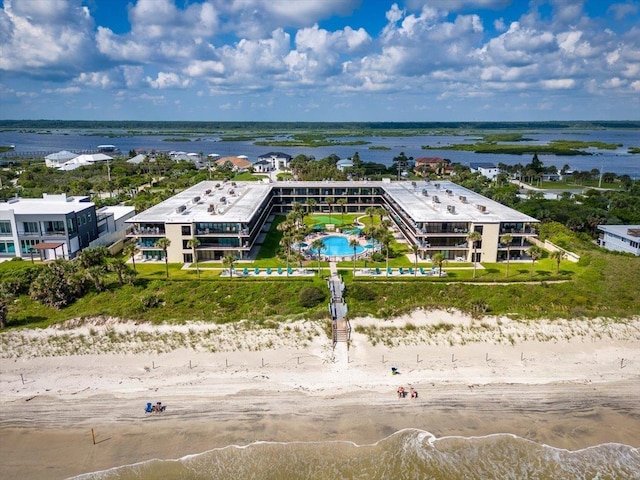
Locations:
{"points": [[276, 155], [482, 165], [431, 160]]}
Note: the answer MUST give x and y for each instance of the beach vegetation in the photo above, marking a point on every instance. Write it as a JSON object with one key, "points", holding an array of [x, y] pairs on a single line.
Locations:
{"points": [[311, 296]]}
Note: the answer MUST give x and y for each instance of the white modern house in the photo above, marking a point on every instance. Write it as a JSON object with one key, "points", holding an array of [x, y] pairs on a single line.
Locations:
{"points": [[344, 163], [620, 238], [488, 170], [263, 166], [57, 226], [278, 160], [84, 160]]}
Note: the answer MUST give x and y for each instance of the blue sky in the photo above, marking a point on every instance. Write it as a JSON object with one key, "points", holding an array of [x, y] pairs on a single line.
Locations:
{"points": [[320, 60]]}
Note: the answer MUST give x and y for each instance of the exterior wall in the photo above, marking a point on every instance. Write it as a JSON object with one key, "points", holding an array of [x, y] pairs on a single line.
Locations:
{"points": [[174, 234], [620, 244], [490, 239]]}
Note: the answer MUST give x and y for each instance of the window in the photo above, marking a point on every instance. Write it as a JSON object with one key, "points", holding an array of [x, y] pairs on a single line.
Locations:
{"points": [[5, 227], [71, 225], [26, 245], [31, 228], [186, 230], [7, 247]]}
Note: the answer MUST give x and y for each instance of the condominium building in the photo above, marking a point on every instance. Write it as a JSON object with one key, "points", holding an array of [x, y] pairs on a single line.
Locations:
{"points": [[230, 218]]}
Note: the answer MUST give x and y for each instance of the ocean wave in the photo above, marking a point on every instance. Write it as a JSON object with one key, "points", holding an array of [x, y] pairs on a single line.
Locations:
{"points": [[406, 454]]}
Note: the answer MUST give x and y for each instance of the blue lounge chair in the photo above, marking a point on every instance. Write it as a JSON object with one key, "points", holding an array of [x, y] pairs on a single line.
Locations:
{"points": [[149, 408], [377, 271], [279, 271], [401, 270], [289, 271], [256, 271], [411, 272], [245, 271], [268, 270], [421, 271]]}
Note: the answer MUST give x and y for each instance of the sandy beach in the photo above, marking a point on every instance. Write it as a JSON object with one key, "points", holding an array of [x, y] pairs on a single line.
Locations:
{"points": [[568, 384]]}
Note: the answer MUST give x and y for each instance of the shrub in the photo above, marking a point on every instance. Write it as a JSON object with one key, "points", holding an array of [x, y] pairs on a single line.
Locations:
{"points": [[150, 300], [311, 296], [361, 292]]}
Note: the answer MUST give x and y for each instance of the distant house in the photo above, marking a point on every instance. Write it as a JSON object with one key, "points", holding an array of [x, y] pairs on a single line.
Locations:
{"points": [[426, 165], [84, 160], [488, 170], [55, 160], [263, 167], [620, 238], [138, 159], [238, 164], [344, 163], [279, 160], [551, 177]]}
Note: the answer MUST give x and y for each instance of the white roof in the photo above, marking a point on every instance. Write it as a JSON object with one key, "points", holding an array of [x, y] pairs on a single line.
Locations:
{"points": [[620, 230], [48, 205], [118, 211], [62, 155], [248, 196]]}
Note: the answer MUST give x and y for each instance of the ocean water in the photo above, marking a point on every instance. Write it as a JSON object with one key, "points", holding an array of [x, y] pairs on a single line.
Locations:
{"points": [[407, 454]]}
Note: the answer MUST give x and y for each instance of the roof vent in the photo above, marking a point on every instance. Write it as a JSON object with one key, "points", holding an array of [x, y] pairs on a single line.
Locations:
{"points": [[181, 208], [195, 199], [482, 208], [425, 193], [435, 199], [451, 209], [463, 199]]}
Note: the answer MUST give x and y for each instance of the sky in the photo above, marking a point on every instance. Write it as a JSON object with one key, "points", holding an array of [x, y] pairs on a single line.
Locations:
{"points": [[320, 60]]}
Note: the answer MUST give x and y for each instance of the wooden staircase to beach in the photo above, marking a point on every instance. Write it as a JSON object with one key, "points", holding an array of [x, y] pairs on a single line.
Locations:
{"points": [[340, 326]]}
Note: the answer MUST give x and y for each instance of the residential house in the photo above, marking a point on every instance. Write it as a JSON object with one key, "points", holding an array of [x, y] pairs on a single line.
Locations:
{"points": [[488, 170], [279, 160], [620, 238]]}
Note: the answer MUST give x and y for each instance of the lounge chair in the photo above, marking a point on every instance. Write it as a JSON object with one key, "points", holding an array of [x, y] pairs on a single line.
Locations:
{"points": [[401, 270], [256, 271], [421, 271], [411, 272], [149, 408], [377, 271], [389, 271], [268, 270], [279, 271], [289, 271], [245, 271]]}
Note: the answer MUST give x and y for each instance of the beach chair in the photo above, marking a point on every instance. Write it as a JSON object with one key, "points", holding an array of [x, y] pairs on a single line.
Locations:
{"points": [[421, 271], [377, 271], [268, 271], [245, 271], [411, 272], [149, 408], [389, 271], [401, 270], [279, 270], [289, 271], [256, 271]]}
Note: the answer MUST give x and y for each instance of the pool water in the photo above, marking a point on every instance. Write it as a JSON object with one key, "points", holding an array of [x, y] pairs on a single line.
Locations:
{"points": [[336, 245]]}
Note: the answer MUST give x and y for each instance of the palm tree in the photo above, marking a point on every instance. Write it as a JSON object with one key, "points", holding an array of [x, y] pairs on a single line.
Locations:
{"points": [[353, 243], [474, 238], [414, 249], [318, 245], [386, 239], [557, 255], [438, 260], [371, 211], [164, 243], [381, 213], [119, 266], [329, 201], [343, 203], [131, 250], [535, 253], [311, 203], [506, 240], [287, 241], [228, 261], [193, 244]]}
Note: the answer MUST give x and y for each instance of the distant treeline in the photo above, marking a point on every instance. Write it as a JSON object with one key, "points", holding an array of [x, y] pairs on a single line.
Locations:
{"points": [[293, 126]]}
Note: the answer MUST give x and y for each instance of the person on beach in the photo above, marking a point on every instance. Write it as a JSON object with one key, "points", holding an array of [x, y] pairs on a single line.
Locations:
{"points": [[413, 392], [401, 392]]}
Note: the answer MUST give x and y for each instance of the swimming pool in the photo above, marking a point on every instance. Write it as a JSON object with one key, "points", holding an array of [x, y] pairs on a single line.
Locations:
{"points": [[336, 245]]}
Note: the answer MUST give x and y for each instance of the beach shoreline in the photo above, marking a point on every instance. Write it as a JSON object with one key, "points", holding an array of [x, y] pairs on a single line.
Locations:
{"points": [[571, 392]]}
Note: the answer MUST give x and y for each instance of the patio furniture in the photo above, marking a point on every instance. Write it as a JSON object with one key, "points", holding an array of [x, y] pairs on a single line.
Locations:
{"points": [[411, 272], [245, 271], [377, 271], [268, 271], [401, 270], [279, 270], [289, 271], [422, 271], [256, 271]]}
